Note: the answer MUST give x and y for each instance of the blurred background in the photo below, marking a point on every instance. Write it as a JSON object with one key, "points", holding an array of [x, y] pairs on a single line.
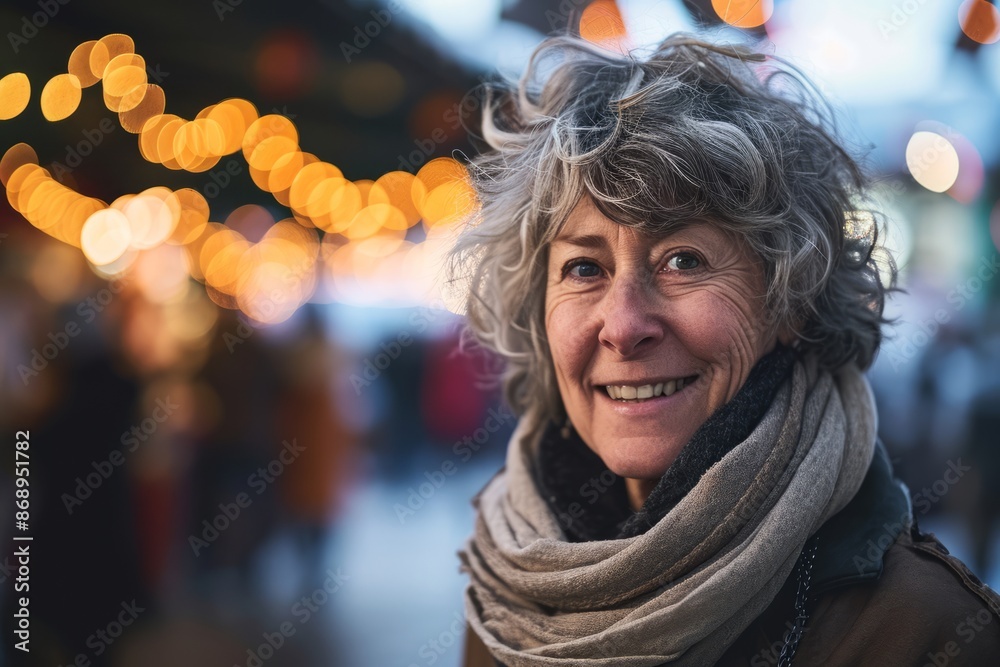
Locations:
{"points": [[253, 439]]}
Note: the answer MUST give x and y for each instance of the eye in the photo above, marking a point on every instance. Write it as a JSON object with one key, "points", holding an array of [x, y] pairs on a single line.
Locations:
{"points": [[684, 261], [581, 269]]}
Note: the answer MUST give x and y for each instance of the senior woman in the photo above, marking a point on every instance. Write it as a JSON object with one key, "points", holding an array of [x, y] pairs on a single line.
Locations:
{"points": [[670, 256]]}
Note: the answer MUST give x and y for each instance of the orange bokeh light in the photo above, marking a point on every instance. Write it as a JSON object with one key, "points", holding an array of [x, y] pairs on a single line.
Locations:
{"points": [[365, 221], [15, 91], [744, 13], [601, 23], [60, 97], [980, 21]]}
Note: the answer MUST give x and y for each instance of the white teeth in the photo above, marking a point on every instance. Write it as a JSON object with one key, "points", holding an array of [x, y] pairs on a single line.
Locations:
{"points": [[631, 393]]}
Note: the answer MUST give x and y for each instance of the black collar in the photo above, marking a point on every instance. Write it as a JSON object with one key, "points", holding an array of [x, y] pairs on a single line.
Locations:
{"points": [[852, 543]]}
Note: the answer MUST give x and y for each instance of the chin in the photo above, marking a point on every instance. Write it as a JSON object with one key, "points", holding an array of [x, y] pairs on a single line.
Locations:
{"points": [[640, 457]]}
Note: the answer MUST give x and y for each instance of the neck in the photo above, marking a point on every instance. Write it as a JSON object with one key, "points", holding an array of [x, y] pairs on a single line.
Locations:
{"points": [[638, 490]]}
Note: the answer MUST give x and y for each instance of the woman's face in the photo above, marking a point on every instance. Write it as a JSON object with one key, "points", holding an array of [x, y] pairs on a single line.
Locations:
{"points": [[645, 316]]}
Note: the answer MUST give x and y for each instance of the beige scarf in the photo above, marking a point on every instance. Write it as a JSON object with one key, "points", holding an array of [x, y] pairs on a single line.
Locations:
{"points": [[682, 592]]}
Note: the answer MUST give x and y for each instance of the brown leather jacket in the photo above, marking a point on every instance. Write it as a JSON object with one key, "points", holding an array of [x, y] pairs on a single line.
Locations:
{"points": [[881, 594]]}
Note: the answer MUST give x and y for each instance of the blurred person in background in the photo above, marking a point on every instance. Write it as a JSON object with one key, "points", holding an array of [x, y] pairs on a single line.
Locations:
{"points": [[673, 256], [310, 413]]}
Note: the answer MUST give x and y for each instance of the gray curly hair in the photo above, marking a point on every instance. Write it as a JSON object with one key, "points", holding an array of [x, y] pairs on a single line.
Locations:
{"points": [[696, 131]]}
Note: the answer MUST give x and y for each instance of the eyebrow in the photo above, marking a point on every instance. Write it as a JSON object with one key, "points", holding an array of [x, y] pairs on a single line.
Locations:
{"points": [[583, 240], [599, 241]]}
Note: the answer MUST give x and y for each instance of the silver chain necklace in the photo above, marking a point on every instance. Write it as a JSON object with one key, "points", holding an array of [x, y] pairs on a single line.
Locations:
{"points": [[794, 634]]}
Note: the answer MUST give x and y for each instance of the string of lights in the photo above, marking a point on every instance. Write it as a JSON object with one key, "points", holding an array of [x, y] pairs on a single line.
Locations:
{"points": [[345, 227]]}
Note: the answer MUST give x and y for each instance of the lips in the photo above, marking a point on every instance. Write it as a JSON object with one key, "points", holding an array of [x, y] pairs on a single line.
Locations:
{"points": [[648, 406], [646, 390]]}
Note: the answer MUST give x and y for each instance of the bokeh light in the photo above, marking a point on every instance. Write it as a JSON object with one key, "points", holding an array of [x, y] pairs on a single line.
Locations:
{"points": [[140, 105], [98, 59], [252, 221], [161, 274], [442, 194], [16, 156], [57, 272], [371, 88], [601, 22], [106, 236], [115, 44], [60, 97], [79, 64], [264, 213], [980, 21], [932, 160], [364, 222], [968, 184], [15, 91], [152, 216], [744, 13], [286, 65]]}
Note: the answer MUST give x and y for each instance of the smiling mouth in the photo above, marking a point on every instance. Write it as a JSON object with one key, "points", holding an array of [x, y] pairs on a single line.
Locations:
{"points": [[640, 394]]}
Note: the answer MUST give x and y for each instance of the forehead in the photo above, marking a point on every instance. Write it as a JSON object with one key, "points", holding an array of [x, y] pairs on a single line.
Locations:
{"points": [[587, 226]]}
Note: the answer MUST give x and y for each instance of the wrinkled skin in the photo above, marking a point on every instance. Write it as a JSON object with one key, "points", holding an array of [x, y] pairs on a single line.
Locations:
{"points": [[624, 306]]}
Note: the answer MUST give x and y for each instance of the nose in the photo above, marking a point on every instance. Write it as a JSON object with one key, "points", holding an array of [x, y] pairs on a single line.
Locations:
{"points": [[631, 323]]}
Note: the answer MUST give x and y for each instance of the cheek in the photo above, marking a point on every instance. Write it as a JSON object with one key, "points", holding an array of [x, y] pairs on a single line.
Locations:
{"points": [[712, 326], [567, 338]]}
